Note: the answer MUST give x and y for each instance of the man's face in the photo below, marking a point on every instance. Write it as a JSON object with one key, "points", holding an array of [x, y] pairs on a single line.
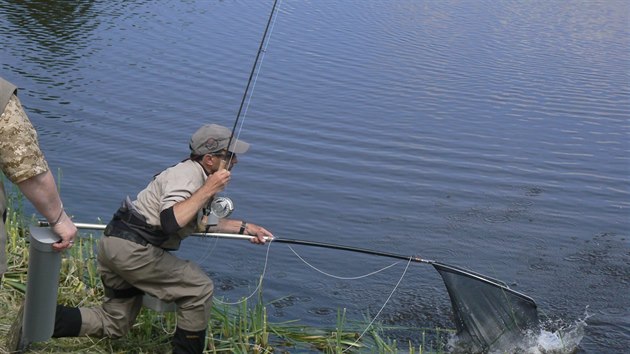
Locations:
{"points": [[227, 156]]}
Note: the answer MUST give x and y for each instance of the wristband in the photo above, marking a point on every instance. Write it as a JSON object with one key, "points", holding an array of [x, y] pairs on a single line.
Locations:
{"points": [[243, 227], [58, 221]]}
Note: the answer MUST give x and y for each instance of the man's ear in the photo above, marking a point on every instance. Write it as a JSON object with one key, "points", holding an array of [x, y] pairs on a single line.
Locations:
{"points": [[207, 160]]}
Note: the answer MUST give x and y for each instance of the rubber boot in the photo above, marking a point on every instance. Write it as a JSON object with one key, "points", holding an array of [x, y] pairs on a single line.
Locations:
{"points": [[187, 342], [67, 322]]}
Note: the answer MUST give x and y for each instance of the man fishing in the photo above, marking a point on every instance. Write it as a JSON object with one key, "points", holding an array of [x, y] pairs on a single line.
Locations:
{"points": [[134, 257]]}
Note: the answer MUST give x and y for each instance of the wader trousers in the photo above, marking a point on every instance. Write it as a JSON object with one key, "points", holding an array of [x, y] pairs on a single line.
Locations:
{"points": [[123, 265]]}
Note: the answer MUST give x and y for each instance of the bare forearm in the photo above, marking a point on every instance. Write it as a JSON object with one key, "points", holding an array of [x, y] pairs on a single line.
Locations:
{"points": [[41, 191], [230, 226], [185, 211], [246, 228]]}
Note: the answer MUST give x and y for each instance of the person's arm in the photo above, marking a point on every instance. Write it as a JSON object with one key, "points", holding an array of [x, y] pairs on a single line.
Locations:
{"points": [[245, 228], [186, 210], [41, 191]]}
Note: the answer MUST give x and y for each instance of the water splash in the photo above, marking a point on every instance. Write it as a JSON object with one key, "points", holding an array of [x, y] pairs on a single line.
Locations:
{"points": [[554, 337], [563, 340]]}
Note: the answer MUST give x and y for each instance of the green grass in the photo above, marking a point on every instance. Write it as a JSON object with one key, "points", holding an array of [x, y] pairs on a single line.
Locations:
{"points": [[243, 328]]}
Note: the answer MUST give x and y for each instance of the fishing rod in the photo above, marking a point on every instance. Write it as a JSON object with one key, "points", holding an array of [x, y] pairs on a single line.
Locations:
{"points": [[221, 207], [251, 76]]}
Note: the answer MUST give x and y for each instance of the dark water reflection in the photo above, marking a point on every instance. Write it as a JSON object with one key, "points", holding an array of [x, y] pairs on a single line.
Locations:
{"points": [[57, 34], [492, 135]]}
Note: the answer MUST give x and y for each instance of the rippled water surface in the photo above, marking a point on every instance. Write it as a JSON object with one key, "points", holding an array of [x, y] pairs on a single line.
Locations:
{"points": [[492, 135]]}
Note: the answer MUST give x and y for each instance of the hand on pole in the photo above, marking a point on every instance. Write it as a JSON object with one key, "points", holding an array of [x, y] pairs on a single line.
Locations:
{"points": [[65, 229], [261, 234]]}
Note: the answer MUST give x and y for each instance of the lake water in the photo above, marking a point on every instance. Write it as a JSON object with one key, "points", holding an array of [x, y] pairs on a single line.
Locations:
{"points": [[493, 135]]}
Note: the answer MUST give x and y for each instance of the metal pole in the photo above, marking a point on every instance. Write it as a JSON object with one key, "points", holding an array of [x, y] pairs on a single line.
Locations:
{"points": [[42, 284]]}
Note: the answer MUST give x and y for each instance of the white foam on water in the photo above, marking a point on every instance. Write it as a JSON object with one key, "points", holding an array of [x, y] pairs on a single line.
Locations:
{"points": [[552, 338], [564, 340]]}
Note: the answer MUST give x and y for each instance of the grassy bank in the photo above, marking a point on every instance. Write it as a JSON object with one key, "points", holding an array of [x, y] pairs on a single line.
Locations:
{"points": [[242, 328]]}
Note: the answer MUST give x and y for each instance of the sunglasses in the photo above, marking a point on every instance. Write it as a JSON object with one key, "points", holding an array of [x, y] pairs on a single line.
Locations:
{"points": [[228, 155]]}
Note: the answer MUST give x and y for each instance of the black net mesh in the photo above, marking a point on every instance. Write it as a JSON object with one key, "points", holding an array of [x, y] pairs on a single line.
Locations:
{"points": [[488, 314]]}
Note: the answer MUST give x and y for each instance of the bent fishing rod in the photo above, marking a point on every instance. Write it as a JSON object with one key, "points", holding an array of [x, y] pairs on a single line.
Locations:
{"points": [[251, 76], [223, 206]]}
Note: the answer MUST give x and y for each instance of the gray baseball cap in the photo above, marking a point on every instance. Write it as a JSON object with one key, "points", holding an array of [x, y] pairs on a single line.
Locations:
{"points": [[212, 138]]}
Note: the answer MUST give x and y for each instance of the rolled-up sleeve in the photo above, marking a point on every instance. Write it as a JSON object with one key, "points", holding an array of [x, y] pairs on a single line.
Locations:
{"points": [[20, 155]]}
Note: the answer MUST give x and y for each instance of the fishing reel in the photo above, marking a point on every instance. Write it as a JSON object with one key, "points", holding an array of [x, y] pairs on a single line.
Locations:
{"points": [[219, 208]]}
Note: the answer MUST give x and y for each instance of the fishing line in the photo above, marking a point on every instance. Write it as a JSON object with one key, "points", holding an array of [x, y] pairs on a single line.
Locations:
{"points": [[339, 277], [359, 277], [209, 250], [262, 276], [264, 271], [161, 318], [382, 307], [264, 44]]}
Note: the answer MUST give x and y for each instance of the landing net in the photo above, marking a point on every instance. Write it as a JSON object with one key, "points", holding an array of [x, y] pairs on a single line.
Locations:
{"points": [[488, 314]]}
